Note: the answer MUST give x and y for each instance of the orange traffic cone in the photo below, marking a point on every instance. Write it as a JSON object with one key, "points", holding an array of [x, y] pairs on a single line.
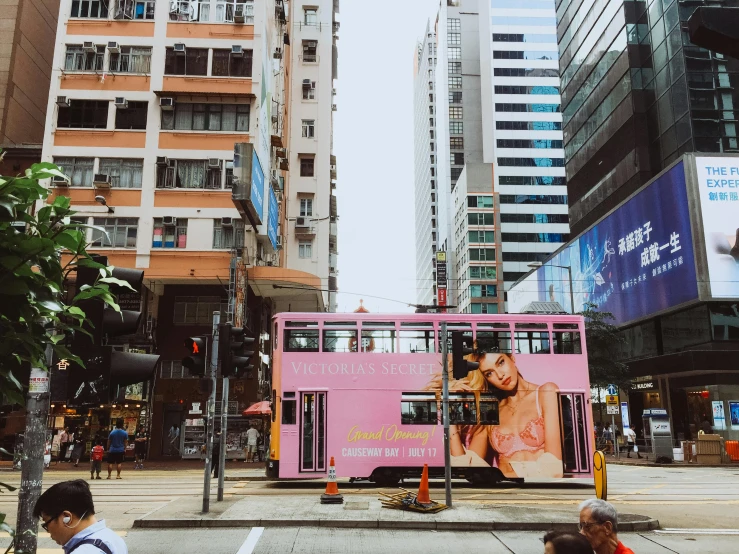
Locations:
{"points": [[332, 496], [423, 490]]}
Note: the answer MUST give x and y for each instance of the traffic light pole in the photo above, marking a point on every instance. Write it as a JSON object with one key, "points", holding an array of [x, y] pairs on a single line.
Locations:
{"points": [[224, 425], [32, 463], [445, 413], [211, 412]]}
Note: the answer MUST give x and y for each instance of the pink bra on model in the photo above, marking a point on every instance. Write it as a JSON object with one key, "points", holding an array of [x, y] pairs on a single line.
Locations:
{"points": [[530, 439]]}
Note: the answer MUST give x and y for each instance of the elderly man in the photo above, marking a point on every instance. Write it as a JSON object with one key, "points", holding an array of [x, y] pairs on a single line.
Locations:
{"points": [[599, 524]]}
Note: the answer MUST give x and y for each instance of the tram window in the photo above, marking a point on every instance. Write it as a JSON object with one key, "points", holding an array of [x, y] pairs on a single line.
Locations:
{"points": [[466, 336], [301, 340], [418, 412], [416, 342], [494, 341], [340, 340], [378, 341], [462, 409], [301, 324], [567, 342], [288, 412], [489, 409], [531, 338]]}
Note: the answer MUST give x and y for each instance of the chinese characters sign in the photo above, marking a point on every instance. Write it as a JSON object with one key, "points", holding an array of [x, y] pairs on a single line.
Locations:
{"points": [[718, 185], [636, 262]]}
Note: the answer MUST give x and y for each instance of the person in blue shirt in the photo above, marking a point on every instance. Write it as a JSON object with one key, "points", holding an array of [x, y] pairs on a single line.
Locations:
{"points": [[67, 513], [117, 441]]}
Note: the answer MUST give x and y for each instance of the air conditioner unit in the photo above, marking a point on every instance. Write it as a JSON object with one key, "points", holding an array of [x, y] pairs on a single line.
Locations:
{"points": [[306, 84], [166, 103], [59, 181], [62, 101], [239, 14], [301, 222], [179, 48], [121, 102], [89, 47], [281, 153], [214, 162], [114, 47], [162, 161], [227, 222], [278, 54], [333, 107], [101, 181], [279, 242], [169, 221], [237, 50]]}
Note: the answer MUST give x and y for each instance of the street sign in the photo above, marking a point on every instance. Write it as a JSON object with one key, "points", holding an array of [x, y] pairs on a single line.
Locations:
{"points": [[612, 400], [611, 389], [612, 410]]}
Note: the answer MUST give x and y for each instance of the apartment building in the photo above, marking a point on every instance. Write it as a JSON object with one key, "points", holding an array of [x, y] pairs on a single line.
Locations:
{"points": [[424, 157], [502, 201], [173, 122], [27, 30]]}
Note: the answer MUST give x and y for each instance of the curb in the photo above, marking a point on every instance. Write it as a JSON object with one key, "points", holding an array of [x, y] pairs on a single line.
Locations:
{"points": [[247, 478], [632, 526]]}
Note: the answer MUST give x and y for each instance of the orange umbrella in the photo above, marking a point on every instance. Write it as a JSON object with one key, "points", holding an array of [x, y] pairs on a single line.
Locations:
{"points": [[260, 408]]}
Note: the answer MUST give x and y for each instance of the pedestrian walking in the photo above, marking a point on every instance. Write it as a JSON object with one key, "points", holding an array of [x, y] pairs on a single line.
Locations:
{"points": [[96, 459], [140, 439], [117, 441], [558, 542], [67, 513], [631, 442], [63, 444], [174, 439], [78, 447], [608, 440], [599, 524], [252, 437]]}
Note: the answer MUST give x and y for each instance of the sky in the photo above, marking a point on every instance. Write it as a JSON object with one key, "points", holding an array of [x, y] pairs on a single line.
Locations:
{"points": [[373, 143]]}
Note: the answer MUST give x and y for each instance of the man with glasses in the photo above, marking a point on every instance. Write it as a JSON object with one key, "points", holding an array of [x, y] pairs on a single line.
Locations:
{"points": [[67, 513], [599, 524]]}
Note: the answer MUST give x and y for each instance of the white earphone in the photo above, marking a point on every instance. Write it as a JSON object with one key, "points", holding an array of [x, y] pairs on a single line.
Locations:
{"points": [[66, 520]]}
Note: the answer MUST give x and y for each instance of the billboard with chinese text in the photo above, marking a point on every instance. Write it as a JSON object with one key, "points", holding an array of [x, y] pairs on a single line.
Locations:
{"points": [[635, 262], [718, 186]]}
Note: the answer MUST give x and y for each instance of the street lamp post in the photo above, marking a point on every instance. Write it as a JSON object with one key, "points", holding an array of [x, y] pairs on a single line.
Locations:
{"points": [[536, 265]]}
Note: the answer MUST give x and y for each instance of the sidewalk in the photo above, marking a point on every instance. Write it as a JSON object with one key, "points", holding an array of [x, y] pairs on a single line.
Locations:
{"points": [[307, 511]]}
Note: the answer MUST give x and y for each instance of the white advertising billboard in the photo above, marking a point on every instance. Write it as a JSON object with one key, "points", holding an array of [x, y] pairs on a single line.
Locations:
{"points": [[718, 182]]}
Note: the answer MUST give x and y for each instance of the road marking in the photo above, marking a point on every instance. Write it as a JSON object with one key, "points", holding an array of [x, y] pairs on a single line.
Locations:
{"points": [[251, 540], [697, 531], [640, 491]]}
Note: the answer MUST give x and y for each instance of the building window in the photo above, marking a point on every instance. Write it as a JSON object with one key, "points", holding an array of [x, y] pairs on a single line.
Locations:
{"points": [[534, 218], [455, 112], [77, 59], [134, 9], [218, 11], [309, 90], [123, 173], [455, 82], [190, 174], [483, 308], [305, 249], [482, 272], [535, 143], [307, 166], [456, 158], [197, 310], [170, 233], [531, 162], [528, 108], [454, 24], [481, 219], [310, 51], [455, 53], [483, 291], [481, 236], [456, 128], [529, 125], [456, 143], [84, 114], [206, 117], [194, 61], [455, 173], [306, 207], [480, 201], [455, 97], [482, 254], [79, 170], [228, 236], [454, 38], [228, 64], [309, 128], [131, 59], [132, 117], [90, 8], [454, 67], [120, 232], [310, 16]]}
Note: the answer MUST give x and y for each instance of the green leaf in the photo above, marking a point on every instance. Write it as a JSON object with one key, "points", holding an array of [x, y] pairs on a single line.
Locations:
{"points": [[88, 262], [62, 202], [70, 239], [119, 282]]}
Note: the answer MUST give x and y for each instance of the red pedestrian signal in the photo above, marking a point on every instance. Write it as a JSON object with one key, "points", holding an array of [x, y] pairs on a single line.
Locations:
{"points": [[195, 362]]}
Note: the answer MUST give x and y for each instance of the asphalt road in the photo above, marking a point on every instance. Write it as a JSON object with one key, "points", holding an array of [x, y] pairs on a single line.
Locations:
{"points": [[315, 540]]}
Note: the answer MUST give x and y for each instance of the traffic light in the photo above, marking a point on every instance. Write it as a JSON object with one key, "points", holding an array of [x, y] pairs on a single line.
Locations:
{"points": [[195, 361], [460, 366], [232, 350], [106, 368]]}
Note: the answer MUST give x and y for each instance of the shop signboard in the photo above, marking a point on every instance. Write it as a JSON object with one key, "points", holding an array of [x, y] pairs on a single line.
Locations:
{"points": [[718, 185], [719, 418], [635, 262]]}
